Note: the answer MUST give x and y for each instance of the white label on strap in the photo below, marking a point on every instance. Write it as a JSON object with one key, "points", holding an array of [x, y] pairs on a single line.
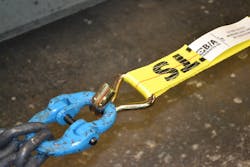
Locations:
{"points": [[215, 42]]}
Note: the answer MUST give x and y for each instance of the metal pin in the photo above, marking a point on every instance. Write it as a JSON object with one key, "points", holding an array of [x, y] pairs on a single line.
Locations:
{"points": [[69, 119]]}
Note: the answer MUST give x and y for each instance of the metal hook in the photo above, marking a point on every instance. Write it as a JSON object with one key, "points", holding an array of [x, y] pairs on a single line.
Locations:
{"points": [[138, 105]]}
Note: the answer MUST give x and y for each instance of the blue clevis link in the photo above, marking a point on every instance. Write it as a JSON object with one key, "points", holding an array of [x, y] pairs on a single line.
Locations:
{"points": [[81, 134]]}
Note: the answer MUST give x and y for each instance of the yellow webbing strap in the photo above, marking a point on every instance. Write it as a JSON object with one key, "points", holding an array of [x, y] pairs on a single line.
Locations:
{"points": [[165, 73]]}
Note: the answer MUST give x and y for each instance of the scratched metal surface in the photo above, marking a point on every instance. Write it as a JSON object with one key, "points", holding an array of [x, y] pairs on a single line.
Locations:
{"points": [[204, 121]]}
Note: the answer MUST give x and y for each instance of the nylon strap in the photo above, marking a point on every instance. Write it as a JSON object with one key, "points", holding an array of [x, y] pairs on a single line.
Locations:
{"points": [[206, 51]]}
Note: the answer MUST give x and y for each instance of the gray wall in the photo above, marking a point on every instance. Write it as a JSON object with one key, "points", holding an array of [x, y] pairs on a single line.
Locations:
{"points": [[19, 16]]}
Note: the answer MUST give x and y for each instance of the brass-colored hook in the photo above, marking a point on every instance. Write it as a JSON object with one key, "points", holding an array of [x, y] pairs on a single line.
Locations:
{"points": [[106, 94], [135, 106]]}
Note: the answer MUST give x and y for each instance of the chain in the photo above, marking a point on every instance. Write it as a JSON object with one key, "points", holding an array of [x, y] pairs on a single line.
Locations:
{"points": [[16, 150]]}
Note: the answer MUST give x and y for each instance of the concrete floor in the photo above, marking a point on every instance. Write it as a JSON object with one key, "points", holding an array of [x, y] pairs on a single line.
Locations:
{"points": [[204, 121]]}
